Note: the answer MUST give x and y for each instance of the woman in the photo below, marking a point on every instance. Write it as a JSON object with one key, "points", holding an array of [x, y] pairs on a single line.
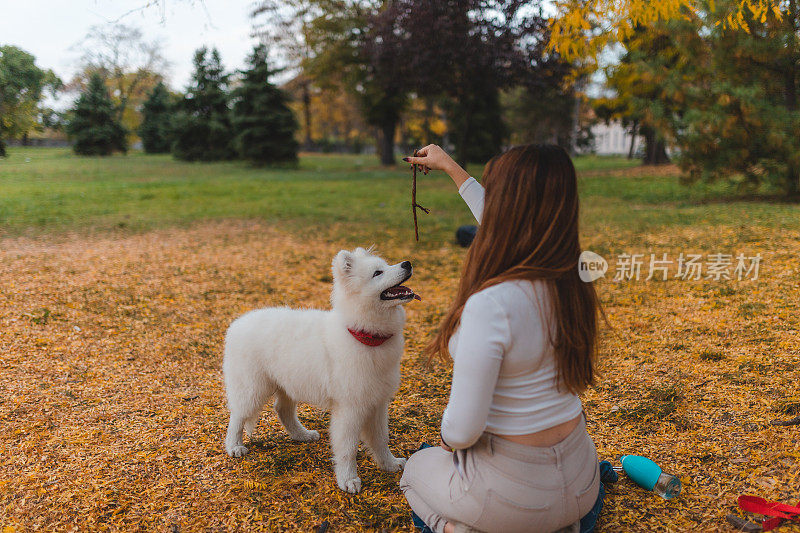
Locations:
{"points": [[515, 454]]}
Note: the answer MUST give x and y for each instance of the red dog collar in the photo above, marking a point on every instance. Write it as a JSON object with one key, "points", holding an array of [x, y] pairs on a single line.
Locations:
{"points": [[368, 338]]}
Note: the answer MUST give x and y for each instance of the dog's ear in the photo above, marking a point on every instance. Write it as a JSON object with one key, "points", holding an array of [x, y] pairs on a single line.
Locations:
{"points": [[343, 263]]}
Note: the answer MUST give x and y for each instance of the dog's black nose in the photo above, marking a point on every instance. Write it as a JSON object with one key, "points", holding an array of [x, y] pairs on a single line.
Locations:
{"points": [[406, 265]]}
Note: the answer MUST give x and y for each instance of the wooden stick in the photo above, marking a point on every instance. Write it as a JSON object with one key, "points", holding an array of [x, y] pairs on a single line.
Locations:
{"points": [[743, 525], [414, 204], [791, 422]]}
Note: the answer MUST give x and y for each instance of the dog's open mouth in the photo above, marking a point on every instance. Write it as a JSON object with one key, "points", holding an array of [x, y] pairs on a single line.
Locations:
{"points": [[399, 292]]}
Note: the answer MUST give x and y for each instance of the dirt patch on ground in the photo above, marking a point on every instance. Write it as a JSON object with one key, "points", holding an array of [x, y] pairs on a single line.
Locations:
{"points": [[112, 412], [640, 170]]}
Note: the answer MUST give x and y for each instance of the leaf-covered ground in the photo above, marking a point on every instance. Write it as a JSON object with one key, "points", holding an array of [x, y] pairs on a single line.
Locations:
{"points": [[112, 410]]}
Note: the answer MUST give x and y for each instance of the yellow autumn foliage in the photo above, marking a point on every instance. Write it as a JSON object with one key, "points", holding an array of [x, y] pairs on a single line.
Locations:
{"points": [[581, 29]]}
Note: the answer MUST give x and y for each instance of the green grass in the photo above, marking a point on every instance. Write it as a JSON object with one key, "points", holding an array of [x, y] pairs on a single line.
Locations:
{"points": [[52, 191]]}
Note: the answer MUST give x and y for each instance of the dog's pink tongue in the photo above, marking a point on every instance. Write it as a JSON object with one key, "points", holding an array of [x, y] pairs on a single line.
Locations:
{"points": [[413, 294]]}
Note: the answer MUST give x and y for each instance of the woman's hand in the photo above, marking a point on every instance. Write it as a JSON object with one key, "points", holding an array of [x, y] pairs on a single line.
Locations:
{"points": [[433, 157]]}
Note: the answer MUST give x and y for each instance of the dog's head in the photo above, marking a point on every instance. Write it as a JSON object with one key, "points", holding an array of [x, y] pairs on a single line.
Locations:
{"points": [[371, 281]]}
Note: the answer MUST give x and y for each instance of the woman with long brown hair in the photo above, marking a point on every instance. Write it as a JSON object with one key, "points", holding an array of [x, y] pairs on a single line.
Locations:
{"points": [[514, 454]]}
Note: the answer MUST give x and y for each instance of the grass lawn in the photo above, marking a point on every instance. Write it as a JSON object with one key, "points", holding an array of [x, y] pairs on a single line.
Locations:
{"points": [[46, 190], [118, 277]]}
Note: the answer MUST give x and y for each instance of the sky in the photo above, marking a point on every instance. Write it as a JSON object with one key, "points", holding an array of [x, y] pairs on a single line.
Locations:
{"points": [[51, 29]]}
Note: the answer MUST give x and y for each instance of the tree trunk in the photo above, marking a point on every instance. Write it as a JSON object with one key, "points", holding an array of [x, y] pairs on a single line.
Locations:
{"points": [[790, 95], [634, 132], [655, 152], [307, 114], [463, 135], [2, 148], [446, 136], [793, 181], [387, 142], [790, 90], [569, 139], [461, 152], [25, 139]]}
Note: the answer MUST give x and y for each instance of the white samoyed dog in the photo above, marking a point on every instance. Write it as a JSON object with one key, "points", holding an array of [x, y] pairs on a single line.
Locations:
{"points": [[346, 360]]}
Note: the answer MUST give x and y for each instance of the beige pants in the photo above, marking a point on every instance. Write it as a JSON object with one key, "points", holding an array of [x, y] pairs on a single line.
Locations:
{"points": [[500, 486]]}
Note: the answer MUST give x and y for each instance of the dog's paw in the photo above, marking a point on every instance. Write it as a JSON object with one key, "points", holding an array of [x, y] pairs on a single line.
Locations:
{"points": [[396, 464], [237, 450], [353, 485], [305, 436]]}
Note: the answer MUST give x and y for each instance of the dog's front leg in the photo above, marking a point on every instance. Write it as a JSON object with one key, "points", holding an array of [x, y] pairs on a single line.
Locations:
{"points": [[345, 426], [376, 436]]}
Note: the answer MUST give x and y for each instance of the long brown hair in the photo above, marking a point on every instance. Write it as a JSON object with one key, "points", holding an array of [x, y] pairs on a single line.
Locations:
{"points": [[529, 231]]}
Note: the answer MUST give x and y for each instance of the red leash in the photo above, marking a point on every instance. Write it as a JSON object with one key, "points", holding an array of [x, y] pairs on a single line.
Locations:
{"points": [[779, 511]]}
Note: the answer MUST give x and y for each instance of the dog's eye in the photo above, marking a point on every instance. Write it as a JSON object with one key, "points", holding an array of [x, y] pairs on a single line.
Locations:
{"points": [[377, 273]]}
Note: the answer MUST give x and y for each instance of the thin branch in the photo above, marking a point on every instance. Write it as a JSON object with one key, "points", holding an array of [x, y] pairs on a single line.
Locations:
{"points": [[414, 204]]}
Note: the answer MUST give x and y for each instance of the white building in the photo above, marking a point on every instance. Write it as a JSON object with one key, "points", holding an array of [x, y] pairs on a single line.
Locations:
{"points": [[613, 139]]}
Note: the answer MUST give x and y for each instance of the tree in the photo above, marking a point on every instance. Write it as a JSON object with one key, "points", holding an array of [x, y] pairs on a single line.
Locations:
{"points": [[498, 45], [423, 122], [476, 122], [584, 28], [338, 121], [130, 65], [157, 113], [639, 83], [548, 103], [382, 86], [356, 45], [94, 125], [544, 116], [480, 48], [483, 48], [264, 123], [22, 85], [740, 90], [203, 129], [284, 27]]}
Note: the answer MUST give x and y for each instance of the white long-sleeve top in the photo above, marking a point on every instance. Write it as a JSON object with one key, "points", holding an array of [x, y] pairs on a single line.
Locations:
{"points": [[472, 193], [504, 368]]}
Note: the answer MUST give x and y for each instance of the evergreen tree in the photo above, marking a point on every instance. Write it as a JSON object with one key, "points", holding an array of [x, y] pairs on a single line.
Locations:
{"points": [[264, 123], [157, 121], [203, 129], [740, 91], [94, 126]]}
